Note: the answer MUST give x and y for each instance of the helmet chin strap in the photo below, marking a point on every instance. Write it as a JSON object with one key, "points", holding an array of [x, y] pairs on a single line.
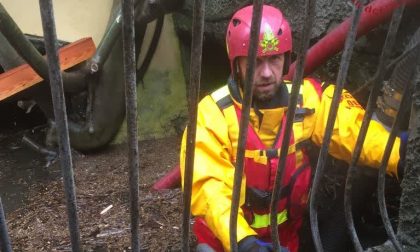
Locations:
{"points": [[287, 59], [237, 75]]}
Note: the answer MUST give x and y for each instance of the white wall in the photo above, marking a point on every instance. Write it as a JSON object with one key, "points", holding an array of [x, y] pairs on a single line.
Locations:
{"points": [[74, 19]]}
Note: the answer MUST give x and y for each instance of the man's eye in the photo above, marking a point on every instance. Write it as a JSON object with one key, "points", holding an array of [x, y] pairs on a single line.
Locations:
{"points": [[275, 57]]}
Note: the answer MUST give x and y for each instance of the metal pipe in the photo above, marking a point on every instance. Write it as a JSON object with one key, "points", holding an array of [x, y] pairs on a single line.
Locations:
{"points": [[107, 42], [38, 148], [341, 77], [152, 48], [113, 31], [333, 42], [193, 96], [131, 115], [5, 244], [96, 63], [244, 122], [297, 81], [57, 92], [157, 8], [21, 44], [379, 78], [9, 58]]}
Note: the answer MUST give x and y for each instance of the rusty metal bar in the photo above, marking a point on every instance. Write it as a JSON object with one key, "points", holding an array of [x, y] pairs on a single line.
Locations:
{"points": [[341, 77], [382, 170], [297, 81], [57, 92], [193, 96], [5, 244], [244, 122], [406, 70], [378, 80], [131, 115]]}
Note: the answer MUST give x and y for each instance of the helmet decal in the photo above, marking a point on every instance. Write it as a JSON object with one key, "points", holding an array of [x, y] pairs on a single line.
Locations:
{"points": [[270, 41]]}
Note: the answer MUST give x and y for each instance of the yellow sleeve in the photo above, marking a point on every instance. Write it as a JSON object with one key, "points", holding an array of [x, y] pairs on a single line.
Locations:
{"points": [[346, 129], [213, 174]]}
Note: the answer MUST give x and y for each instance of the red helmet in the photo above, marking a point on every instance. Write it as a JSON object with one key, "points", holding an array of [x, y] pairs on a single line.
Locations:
{"points": [[275, 33]]}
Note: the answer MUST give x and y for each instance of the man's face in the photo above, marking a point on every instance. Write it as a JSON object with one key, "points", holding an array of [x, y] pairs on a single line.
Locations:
{"points": [[268, 75]]}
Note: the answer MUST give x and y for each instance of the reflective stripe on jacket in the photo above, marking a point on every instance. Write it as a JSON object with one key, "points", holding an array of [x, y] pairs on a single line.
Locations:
{"points": [[216, 150]]}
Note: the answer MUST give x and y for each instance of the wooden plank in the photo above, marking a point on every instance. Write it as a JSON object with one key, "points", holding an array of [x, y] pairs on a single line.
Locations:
{"points": [[23, 77]]}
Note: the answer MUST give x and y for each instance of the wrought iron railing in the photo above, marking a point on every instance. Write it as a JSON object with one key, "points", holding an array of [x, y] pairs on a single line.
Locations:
{"points": [[128, 17]]}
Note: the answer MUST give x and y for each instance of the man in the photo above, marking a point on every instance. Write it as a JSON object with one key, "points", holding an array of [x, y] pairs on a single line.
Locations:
{"points": [[217, 141]]}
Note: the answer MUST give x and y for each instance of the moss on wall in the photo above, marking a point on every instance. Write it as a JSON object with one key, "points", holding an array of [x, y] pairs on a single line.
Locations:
{"points": [[162, 104]]}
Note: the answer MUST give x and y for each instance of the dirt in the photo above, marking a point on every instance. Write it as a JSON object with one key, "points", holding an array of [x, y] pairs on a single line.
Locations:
{"points": [[102, 180]]}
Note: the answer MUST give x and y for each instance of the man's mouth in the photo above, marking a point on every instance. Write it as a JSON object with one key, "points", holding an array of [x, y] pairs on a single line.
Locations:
{"points": [[264, 86]]}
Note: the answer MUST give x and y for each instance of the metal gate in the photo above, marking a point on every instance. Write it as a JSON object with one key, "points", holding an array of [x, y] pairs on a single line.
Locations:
{"points": [[56, 84]]}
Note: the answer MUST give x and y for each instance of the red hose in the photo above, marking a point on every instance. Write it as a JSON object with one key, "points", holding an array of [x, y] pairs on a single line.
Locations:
{"points": [[375, 13], [172, 179]]}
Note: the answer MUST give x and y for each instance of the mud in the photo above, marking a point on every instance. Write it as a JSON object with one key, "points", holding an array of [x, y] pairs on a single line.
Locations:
{"points": [[102, 180]]}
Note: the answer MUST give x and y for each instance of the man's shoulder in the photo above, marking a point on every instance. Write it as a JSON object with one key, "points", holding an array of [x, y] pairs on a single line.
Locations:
{"points": [[212, 100], [220, 93], [309, 86]]}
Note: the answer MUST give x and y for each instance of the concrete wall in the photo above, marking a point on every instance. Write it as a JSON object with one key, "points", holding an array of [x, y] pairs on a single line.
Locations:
{"points": [[75, 19], [162, 102]]}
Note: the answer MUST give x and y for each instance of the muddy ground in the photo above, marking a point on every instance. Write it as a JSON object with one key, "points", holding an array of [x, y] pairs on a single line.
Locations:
{"points": [[102, 180], [40, 224]]}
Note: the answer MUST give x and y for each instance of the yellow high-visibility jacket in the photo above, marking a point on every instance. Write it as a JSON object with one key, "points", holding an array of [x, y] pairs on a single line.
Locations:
{"points": [[214, 151]]}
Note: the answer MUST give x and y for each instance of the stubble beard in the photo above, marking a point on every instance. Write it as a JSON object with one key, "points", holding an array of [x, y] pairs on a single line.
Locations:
{"points": [[266, 96]]}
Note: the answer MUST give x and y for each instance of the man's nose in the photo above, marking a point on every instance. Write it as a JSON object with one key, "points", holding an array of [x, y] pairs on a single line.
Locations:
{"points": [[265, 70]]}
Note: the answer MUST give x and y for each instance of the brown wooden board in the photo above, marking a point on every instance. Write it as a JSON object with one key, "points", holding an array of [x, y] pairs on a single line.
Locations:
{"points": [[22, 77]]}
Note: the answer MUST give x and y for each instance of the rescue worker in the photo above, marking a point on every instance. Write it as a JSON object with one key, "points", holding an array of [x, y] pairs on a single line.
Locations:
{"points": [[217, 141]]}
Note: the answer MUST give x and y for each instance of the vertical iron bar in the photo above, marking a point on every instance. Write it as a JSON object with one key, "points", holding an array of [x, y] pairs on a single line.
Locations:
{"points": [[193, 96], [244, 121], [5, 244], [379, 78], [341, 77], [382, 170], [57, 92], [408, 89], [408, 225], [131, 114], [297, 81]]}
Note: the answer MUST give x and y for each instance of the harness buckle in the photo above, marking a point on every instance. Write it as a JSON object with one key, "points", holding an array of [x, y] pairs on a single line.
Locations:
{"points": [[271, 153]]}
